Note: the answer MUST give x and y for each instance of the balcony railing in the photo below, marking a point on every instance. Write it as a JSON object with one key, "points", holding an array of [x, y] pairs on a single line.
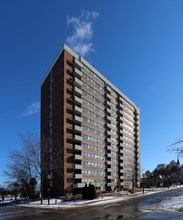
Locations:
{"points": [[108, 88], [109, 170], [109, 177], [78, 185], [77, 119], [78, 176], [77, 91], [78, 157], [78, 167], [77, 138], [78, 147], [77, 110], [77, 100], [77, 63], [77, 129]]}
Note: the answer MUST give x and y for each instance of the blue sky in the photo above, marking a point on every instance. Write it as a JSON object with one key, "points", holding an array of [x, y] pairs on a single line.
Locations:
{"points": [[137, 45]]}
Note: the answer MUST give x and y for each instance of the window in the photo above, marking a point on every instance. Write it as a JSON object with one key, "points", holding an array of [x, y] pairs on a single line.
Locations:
{"points": [[92, 81]]}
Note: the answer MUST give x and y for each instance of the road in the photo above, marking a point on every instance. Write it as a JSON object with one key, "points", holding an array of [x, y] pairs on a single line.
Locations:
{"points": [[145, 207]]}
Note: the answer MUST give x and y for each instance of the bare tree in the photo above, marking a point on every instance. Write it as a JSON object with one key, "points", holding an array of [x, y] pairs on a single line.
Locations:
{"points": [[31, 162], [176, 147]]}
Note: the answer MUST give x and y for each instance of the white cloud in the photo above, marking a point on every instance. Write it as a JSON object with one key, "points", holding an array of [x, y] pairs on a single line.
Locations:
{"points": [[83, 48], [31, 109], [80, 40]]}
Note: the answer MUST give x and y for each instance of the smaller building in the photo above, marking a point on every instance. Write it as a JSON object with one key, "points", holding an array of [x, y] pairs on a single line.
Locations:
{"points": [[172, 163], [161, 166]]}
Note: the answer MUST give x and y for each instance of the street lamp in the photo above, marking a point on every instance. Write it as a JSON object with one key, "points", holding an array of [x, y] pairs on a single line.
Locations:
{"points": [[48, 189]]}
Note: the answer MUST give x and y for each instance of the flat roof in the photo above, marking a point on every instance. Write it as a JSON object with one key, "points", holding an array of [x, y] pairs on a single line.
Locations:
{"points": [[82, 60]]}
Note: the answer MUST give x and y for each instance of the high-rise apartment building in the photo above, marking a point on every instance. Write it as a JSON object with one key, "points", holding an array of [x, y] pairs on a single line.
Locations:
{"points": [[97, 126]]}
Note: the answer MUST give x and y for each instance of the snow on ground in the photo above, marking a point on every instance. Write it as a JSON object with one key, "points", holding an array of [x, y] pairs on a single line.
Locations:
{"points": [[177, 203], [57, 203], [7, 201], [174, 204], [171, 204]]}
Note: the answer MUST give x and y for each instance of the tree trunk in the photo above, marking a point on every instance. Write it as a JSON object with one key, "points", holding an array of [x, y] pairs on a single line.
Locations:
{"points": [[41, 189]]}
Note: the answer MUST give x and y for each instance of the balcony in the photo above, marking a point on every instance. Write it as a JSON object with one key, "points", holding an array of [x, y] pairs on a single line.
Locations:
{"points": [[120, 119], [78, 176], [77, 82], [109, 170], [108, 97], [77, 138], [108, 111], [78, 147], [121, 164], [109, 140], [109, 162], [121, 145], [137, 128], [109, 147], [109, 133], [77, 91], [121, 106], [121, 171], [78, 185], [121, 158], [77, 129], [121, 112], [109, 184], [77, 73], [137, 123], [108, 88], [108, 118], [109, 155], [78, 167], [77, 63], [121, 151], [121, 177], [108, 104], [77, 119], [109, 177], [77, 110], [121, 138], [120, 125], [78, 157], [121, 131], [109, 126], [77, 100]]}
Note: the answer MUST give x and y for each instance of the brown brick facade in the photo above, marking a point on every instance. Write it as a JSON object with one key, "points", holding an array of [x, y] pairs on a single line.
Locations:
{"points": [[120, 130]]}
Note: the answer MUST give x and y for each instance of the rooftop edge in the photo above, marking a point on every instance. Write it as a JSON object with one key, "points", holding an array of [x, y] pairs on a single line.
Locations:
{"points": [[81, 59]]}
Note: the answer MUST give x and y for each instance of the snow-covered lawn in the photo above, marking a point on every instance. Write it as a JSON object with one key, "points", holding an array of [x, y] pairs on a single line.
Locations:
{"points": [[177, 203], [57, 203]]}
